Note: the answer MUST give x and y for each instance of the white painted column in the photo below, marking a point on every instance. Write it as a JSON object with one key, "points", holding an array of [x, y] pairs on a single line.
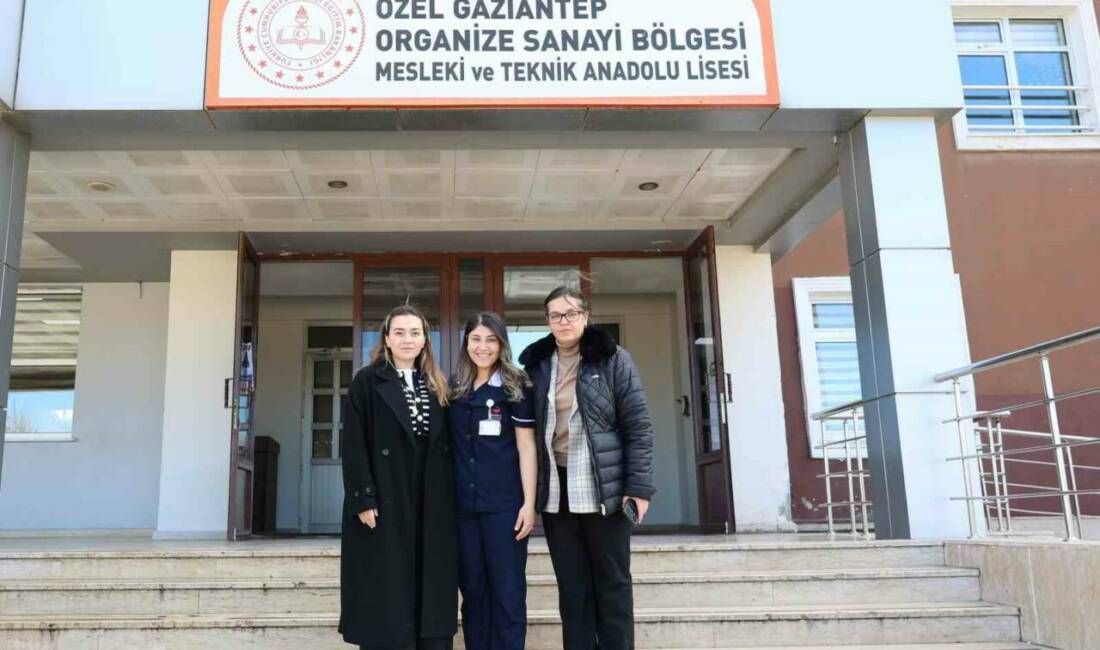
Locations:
{"points": [[909, 323], [758, 433], [195, 449]]}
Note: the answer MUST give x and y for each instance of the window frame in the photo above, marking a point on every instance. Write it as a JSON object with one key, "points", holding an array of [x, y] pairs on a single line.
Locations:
{"points": [[807, 293], [1083, 45], [48, 436], [313, 355]]}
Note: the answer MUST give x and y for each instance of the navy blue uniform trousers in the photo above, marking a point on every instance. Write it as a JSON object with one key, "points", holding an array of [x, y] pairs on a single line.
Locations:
{"points": [[492, 569]]}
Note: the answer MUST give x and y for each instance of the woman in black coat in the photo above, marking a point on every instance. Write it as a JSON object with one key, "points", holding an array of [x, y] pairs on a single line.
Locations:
{"points": [[399, 565]]}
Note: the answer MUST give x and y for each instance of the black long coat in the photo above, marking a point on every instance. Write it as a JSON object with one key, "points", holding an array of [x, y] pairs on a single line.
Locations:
{"points": [[377, 566]]}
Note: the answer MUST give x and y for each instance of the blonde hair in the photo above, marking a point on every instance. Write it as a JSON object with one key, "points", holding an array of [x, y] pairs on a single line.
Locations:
{"points": [[425, 361]]}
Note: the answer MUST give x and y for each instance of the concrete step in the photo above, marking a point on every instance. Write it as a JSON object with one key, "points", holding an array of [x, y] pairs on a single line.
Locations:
{"points": [[655, 628], [1005, 645], [297, 563], [319, 595]]}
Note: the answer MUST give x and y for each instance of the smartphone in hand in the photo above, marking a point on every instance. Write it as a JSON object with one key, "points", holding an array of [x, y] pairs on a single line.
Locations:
{"points": [[631, 512]]}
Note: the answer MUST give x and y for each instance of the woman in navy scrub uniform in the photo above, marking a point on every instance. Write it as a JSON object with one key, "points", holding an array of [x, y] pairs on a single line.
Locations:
{"points": [[492, 432]]}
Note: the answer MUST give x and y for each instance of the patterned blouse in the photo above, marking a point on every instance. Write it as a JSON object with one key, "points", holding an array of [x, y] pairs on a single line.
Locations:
{"points": [[416, 395]]}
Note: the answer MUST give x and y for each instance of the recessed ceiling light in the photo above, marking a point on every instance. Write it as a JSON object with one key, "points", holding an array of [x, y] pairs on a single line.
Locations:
{"points": [[61, 322], [100, 186], [338, 185], [648, 186], [661, 242]]}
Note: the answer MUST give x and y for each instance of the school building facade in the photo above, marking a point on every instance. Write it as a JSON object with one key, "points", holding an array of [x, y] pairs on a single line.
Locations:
{"points": [[208, 206]]}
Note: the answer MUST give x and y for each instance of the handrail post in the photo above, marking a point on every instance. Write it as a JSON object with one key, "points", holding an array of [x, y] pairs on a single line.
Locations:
{"points": [[968, 487], [979, 447], [828, 480], [1076, 492], [994, 425], [862, 477], [848, 471], [1059, 450], [1004, 474]]}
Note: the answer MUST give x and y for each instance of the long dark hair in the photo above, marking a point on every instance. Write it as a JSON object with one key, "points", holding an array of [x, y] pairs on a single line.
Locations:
{"points": [[425, 361], [513, 378]]}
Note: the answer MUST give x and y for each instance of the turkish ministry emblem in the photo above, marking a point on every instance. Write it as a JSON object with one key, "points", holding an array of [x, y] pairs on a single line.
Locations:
{"points": [[301, 43]]}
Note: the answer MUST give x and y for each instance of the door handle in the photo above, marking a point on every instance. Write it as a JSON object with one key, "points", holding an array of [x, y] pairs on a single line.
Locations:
{"points": [[685, 405], [225, 392], [729, 387]]}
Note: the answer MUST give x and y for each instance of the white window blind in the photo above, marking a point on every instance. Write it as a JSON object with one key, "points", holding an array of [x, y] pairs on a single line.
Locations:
{"points": [[827, 349], [43, 363]]}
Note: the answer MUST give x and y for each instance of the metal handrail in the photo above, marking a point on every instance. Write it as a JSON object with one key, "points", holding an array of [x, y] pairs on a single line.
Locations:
{"points": [[837, 410], [842, 441], [990, 457], [1060, 343], [1028, 450], [1034, 434], [849, 415]]}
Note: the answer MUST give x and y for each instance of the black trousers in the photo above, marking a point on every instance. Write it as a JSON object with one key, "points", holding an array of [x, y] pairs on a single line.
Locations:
{"points": [[591, 557], [422, 644]]}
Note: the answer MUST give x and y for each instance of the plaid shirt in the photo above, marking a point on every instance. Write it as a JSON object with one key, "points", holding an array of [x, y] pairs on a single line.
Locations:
{"points": [[580, 480]]}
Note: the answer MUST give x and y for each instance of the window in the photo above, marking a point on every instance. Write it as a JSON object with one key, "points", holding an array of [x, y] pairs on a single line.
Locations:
{"points": [[330, 372], [1026, 75], [43, 365], [827, 348]]}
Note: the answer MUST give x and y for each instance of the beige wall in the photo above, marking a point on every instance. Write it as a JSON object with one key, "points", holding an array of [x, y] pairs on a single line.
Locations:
{"points": [[1055, 586], [651, 329], [117, 414], [194, 472]]}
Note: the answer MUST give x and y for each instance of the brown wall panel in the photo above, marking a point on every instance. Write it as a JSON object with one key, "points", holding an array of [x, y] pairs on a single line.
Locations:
{"points": [[1025, 231]]}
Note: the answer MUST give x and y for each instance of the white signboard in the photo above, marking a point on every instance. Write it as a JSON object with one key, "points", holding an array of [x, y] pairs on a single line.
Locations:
{"points": [[489, 53]]}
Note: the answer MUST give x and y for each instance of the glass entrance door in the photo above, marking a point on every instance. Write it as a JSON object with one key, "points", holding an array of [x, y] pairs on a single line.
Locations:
{"points": [[710, 387], [520, 286], [243, 392], [385, 283]]}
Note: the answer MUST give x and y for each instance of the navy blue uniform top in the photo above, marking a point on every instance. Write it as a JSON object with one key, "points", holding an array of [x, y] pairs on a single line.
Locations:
{"points": [[487, 466]]}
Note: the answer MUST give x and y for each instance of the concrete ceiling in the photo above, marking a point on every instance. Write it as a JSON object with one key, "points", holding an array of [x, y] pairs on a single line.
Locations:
{"points": [[386, 189], [414, 199]]}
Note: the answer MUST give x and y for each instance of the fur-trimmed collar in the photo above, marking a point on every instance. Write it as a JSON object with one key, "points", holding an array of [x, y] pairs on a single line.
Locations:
{"points": [[596, 345]]}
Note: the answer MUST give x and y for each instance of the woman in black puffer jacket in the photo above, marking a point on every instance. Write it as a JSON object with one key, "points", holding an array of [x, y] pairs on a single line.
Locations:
{"points": [[595, 441]]}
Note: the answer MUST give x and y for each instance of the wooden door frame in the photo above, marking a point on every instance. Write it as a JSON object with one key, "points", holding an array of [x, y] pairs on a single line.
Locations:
{"points": [[495, 264], [707, 240], [449, 264], [493, 269], [448, 281], [246, 254]]}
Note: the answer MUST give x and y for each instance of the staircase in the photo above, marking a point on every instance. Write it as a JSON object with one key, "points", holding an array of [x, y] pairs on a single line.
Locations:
{"points": [[689, 593]]}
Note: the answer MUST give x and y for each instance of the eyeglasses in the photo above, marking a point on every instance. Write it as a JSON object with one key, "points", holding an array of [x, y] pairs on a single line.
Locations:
{"points": [[571, 316]]}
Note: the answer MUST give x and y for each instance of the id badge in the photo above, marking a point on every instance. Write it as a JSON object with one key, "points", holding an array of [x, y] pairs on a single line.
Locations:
{"points": [[488, 428]]}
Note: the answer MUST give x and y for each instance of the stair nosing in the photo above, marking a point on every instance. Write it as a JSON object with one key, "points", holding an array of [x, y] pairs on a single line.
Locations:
{"points": [[542, 579], [221, 553], [535, 617]]}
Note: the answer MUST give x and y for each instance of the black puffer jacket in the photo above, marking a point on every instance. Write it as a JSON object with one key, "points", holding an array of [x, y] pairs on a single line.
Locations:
{"points": [[613, 407]]}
